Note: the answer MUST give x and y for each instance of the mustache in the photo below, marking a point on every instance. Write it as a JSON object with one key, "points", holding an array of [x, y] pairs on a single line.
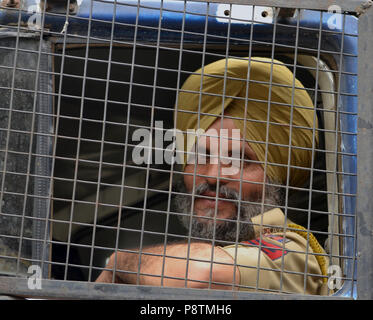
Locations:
{"points": [[226, 230], [240, 221], [223, 191]]}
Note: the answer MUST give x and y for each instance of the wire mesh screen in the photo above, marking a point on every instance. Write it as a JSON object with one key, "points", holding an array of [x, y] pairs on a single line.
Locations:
{"points": [[179, 144]]}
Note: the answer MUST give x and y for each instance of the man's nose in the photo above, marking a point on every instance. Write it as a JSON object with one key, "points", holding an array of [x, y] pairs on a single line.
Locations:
{"points": [[214, 171]]}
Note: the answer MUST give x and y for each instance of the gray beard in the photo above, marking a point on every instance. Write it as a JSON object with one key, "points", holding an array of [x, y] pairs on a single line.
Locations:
{"points": [[238, 228]]}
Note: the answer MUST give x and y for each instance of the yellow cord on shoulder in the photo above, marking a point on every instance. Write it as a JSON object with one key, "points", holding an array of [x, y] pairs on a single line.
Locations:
{"points": [[314, 244]]}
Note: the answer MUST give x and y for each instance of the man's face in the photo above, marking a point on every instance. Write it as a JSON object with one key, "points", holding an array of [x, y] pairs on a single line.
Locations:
{"points": [[215, 210], [207, 173]]}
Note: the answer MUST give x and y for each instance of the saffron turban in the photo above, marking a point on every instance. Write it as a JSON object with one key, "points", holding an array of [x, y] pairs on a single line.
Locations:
{"points": [[281, 124]]}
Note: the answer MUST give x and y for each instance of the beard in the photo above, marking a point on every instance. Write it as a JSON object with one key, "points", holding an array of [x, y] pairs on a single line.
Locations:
{"points": [[238, 228]]}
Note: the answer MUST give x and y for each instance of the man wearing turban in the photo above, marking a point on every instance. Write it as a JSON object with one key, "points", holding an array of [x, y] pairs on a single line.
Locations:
{"points": [[236, 204]]}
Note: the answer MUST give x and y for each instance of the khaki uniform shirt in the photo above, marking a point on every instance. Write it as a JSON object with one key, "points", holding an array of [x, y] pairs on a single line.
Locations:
{"points": [[279, 260]]}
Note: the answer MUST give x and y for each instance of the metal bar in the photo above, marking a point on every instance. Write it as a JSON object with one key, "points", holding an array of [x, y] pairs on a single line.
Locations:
{"points": [[150, 146], [227, 47], [365, 160], [338, 139], [289, 162], [356, 6], [273, 42], [314, 132], [79, 142], [127, 124], [43, 164], [180, 59], [198, 126], [102, 142], [243, 150], [88, 290]]}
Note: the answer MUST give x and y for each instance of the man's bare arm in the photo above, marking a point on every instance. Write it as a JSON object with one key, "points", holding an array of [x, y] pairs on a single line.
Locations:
{"points": [[177, 265]]}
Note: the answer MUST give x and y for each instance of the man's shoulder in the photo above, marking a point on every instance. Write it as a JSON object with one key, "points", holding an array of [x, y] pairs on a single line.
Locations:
{"points": [[272, 245]]}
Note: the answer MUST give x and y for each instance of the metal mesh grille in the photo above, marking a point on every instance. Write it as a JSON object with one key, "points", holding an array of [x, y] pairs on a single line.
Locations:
{"points": [[81, 80]]}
